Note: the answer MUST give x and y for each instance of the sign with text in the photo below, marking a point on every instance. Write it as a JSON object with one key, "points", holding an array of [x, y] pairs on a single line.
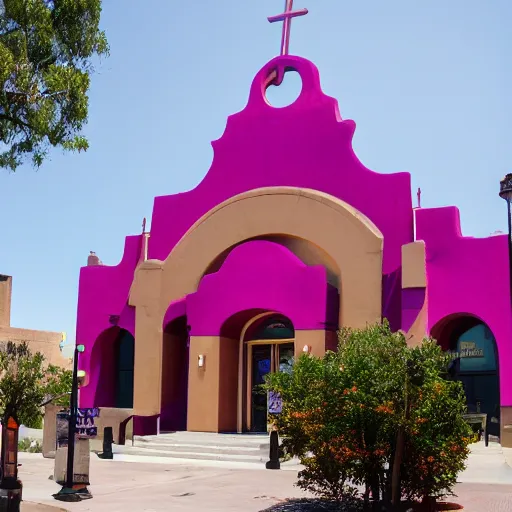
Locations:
{"points": [[468, 350]]}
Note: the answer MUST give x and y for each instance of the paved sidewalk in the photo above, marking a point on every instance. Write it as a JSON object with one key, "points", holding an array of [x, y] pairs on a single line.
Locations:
{"points": [[486, 486], [120, 486], [487, 466]]}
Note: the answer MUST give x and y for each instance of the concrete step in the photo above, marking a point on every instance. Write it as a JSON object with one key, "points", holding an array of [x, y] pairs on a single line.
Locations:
{"points": [[195, 455], [202, 446]]}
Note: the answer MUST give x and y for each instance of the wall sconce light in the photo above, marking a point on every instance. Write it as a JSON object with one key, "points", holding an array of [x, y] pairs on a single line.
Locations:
{"points": [[200, 360], [306, 349]]}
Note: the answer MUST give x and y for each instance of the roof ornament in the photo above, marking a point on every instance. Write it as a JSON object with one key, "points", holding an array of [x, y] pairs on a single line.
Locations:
{"points": [[143, 256], [286, 17]]}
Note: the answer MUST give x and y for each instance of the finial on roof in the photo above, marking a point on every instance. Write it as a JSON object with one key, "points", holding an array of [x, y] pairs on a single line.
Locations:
{"points": [[93, 259], [419, 197], [143, 256], [286, 17]]}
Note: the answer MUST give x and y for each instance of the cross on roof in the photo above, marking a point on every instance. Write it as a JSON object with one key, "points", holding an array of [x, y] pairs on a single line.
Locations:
{"points": [[286, 17]]}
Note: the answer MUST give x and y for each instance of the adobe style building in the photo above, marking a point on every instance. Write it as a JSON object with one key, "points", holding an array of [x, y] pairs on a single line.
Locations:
{"points": [[45, 342], [287, 238]]}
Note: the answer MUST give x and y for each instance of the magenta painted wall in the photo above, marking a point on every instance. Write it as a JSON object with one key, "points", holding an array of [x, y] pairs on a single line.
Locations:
{"points": [[260, 275], [471, 276], [306, 144]]}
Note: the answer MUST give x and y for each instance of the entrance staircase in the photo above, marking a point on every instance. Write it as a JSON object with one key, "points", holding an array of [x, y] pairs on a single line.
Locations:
{"points": [[246, 448]]}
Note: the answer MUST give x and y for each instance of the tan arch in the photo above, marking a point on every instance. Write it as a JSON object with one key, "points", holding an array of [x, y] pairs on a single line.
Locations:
{"points": [[351, 241]]}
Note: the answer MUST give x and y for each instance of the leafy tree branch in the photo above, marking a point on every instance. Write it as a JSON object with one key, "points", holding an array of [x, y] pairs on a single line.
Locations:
{"points": [[46, 54]]}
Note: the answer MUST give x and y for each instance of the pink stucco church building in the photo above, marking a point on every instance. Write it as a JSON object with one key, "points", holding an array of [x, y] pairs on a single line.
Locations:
{"points": [[279, 246]]}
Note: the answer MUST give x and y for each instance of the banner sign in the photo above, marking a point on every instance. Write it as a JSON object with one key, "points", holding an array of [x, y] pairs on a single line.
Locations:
{"points": [[62, 429], [85, 427], [275, 403]]}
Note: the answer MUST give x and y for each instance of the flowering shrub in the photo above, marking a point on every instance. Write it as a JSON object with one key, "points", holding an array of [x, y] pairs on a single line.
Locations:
{"points": [[438, 437], [341, 415]]}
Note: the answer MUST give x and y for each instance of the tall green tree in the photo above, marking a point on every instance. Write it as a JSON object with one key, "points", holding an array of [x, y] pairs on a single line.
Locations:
{"points": [[46, 53]]}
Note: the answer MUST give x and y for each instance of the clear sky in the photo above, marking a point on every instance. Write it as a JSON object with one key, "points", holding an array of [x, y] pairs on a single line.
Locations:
{"points": [[428, 84]]}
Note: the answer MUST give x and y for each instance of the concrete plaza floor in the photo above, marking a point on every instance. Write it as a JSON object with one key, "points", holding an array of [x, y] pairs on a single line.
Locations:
{"points": [[163, 484]]}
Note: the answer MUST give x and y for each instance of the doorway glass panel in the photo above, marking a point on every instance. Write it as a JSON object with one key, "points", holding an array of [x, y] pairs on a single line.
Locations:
{"points": [[286, 354], [261, 365]]}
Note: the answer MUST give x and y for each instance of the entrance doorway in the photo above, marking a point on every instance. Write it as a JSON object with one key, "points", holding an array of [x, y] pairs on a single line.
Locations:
{"points": [[264, 358], [475, 362], [125, 355], [475, 365], [269, 347], [175, 359]]}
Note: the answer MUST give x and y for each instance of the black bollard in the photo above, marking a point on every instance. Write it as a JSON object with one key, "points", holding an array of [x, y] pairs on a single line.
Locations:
{"points": [[10, 499], [274, 463], [108, 439]]}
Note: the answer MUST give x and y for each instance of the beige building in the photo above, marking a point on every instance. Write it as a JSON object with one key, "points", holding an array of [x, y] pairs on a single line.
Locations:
{"points": [[48, 343]]}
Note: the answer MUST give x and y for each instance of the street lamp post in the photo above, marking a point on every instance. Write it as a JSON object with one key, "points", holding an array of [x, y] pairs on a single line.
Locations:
{"points": [[506, 193], [72, 419]]}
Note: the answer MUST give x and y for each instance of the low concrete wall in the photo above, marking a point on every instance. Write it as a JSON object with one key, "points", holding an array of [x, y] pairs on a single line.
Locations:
{"points": [[50, 430], [109, 417]]}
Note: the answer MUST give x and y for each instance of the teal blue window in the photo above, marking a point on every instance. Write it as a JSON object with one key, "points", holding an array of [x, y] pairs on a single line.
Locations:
{"points": [[476, 349]]}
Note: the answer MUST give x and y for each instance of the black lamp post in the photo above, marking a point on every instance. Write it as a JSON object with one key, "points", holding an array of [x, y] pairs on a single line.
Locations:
{"points": [[506, 193], [73, 411]]}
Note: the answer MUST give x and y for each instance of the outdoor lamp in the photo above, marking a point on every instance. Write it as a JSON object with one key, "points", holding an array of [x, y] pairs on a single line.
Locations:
{"points": [[306, 349], [200, 360], [81, 377], [506, 193], [506, 188]]}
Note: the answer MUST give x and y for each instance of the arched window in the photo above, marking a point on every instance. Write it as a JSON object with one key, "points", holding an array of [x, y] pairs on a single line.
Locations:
{"points": [[273, 328]]}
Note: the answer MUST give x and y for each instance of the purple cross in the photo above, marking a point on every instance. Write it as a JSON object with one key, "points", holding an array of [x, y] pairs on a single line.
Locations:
{"points": [[286, 17]]}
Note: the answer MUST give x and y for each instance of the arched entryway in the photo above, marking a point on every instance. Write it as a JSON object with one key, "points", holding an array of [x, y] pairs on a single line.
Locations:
{"points": [[356, 257], [268, 345], [175, 363], [114, 352], [125, 352], [475, 361]]}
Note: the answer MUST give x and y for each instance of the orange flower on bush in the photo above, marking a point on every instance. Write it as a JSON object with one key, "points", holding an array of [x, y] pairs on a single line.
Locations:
{"points": [[384, 408]]}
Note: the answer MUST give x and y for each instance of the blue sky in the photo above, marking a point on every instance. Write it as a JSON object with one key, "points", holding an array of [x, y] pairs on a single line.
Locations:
{"points": [[428, 84]]}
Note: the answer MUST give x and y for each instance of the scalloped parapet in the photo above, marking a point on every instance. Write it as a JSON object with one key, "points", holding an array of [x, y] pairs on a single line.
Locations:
{"points": [[305, 145]]}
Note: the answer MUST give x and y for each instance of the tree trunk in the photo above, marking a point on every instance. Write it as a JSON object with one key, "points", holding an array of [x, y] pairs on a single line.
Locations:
{"points": [[395, 479]]}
